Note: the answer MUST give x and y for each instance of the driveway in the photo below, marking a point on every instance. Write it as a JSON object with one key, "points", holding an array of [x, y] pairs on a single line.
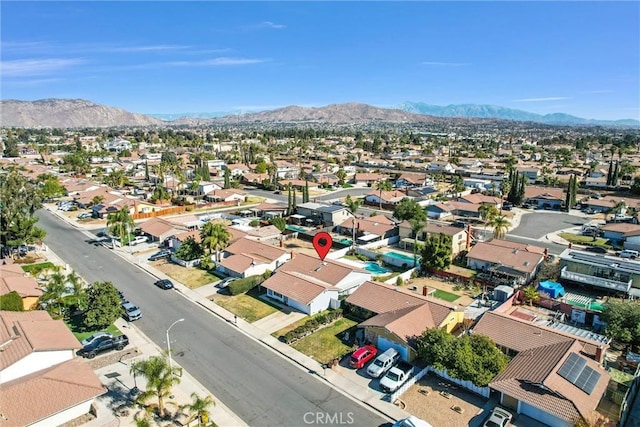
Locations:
{"points": [[536, 225]]}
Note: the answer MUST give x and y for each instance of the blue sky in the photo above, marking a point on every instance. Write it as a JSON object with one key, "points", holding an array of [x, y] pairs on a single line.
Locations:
{"points": [[581, 58]]}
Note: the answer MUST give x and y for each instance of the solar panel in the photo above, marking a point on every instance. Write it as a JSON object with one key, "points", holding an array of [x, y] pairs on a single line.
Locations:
{"points": [[587, 380], [572, 368]]}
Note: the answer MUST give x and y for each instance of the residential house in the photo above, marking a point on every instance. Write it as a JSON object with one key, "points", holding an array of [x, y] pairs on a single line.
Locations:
{"points": [[298, 184], [531, 173], [369, 229], [458, 235], [602, 272], [254, 178], [422, 193], [38, 362], [247, 257], [443, 209], [325, 179], [595, 181], [286, 170], [555, 376], [399, 316], [269, 210], [544, 197], [326, 215], [237, 169], [230, 195], [608, 203], [206, 187], [387, 198], [311, 285], [159, 229], [411, 180], [480, 199], [438, 166], [622, 234], [369, 179], [516, 261], [14, 278], [268, 234], [440, 210]]}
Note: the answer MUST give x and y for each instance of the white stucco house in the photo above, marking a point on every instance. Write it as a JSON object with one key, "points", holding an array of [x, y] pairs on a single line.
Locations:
{"points": [[248, 257]]}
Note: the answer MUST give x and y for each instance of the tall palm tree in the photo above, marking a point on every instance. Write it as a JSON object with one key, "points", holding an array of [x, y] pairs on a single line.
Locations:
{"points": [[384, 185], [417, 225], [352, 204], [120, 223], [160, 378], [79, 295], [199, 408], [55, 290], [215, 236], [500, 226], [619, 206]]}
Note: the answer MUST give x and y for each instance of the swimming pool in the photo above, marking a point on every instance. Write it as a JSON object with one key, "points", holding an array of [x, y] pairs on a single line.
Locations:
{"points": [[296, 228], [375, 268], [397, 255]]}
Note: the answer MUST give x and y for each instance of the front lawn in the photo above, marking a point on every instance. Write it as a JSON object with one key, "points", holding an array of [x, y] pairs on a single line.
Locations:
{"points": [[35, 269], [324, 345], [193, 277], [75, 325], [447, 296], [584, 240], [247, 306]]}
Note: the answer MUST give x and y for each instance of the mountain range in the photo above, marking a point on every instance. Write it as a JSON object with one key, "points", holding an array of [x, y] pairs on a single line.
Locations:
{"points": [[76, 113]]}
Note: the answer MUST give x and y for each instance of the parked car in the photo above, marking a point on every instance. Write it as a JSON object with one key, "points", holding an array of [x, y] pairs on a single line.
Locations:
{"points": [[161, 254], [361, 356], [498, 418], [102, 344], [507, 206], [627, 253], [139, 239], [164, 284], [383, 363], [131, 312], [411, 421], [596, 249], [225, 282], [395, 377], [84, 215], [94, 337]]}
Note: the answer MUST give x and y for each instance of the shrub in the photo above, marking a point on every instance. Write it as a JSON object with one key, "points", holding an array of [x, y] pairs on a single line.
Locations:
{"points": [[399, 281], [311, 326], [241, 286], [11, 302]]}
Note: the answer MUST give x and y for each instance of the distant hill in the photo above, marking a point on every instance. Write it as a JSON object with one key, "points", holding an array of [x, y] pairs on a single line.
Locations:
{"points": [[69, 113], [497, 112]]}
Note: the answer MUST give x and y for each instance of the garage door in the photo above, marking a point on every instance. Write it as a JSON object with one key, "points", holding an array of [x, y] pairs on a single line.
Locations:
{"points": [[542, 416], [385, 344]]}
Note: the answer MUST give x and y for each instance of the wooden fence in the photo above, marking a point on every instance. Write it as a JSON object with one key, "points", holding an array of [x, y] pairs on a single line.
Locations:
{"points": [[166, 211]]}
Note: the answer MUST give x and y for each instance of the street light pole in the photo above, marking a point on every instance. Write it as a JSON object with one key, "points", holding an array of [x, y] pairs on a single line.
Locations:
{"points": [[169, 343]]}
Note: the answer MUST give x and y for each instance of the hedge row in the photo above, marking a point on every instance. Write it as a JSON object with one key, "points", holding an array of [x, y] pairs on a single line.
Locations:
{"points": [[311, 325], [241, 286]]}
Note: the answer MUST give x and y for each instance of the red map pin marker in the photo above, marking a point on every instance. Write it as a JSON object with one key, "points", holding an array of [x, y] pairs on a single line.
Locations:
{"points": [[322, 243]]}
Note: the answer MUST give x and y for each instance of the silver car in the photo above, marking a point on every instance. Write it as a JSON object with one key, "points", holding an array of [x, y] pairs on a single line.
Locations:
{"points": [[131, 312]]}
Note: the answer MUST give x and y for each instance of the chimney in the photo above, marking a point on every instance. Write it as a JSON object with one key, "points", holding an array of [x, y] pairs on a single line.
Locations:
{"points": [[424, 291], [569, 245], [546, 253], [599, 354], [292, 254]]}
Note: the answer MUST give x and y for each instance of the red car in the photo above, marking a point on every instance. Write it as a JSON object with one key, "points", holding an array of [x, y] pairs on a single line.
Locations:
{"points": [[361, 356]]}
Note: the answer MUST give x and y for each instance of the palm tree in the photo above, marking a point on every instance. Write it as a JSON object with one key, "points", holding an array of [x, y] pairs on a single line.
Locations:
{"points": [[79, 295], [160, 379], [487, 212], [120, 224], [531, 294], [381, 186], [55, 290], [500, 226], [199, 408], [619, 207], [352, 204], [417, 225], [215, 236]]}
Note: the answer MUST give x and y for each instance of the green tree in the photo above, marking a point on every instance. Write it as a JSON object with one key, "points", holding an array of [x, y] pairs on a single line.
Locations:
{"points": [[436, 252], [434, 347], [161, 378], [352, 204], [279, 222], [78, 290], [11, 302], [500, 226], [408, 209], [214, 237], [189, 250], [50, 187], [623, 321], [116, 179], [305, 192], [121, 224], [54, 292], [384, 185], [103, 305], [19, 199], [531, 294], [487, 212], [199, 408], [341, 175], [96, 200], [417, 225], [227, 178]]}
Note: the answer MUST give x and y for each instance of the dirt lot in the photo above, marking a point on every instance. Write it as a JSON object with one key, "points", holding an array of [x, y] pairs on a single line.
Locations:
{"points": [[465, 296], [300, 246], [191, 277], [425, 401]]}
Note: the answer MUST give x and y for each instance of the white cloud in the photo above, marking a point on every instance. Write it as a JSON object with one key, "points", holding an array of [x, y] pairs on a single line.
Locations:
{"points": [[32, 67], [218, 62], [264, 25], [549, 98], [147, 48], [444, 64]]}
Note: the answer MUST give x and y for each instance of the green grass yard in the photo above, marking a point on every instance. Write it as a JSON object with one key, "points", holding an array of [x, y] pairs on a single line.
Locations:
{"points": [[326, 344], [80, 334], [246, 306], [584, 240], [447, 296], [35, 269]]}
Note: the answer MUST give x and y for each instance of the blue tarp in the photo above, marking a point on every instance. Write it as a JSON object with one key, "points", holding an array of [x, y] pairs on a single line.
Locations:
{"points": [[554, 289]]}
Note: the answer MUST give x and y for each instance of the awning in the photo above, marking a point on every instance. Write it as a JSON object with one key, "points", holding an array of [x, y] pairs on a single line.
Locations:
{"points": [[368, 237], [298, 216]]}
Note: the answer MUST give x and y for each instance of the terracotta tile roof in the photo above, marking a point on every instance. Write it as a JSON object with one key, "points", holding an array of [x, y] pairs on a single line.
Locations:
{"points": [[520, 246], [531, 192], [270, 207], [157, 227], [519, 335], [330, 272], [11, 270], [259, 251], [268, 231], [29, 331], [55, 389], [406, 323], [239, 262], [370, 177], [516, 259], [481, 198], [383, 298], [186, 234], [298, 287], [621, 227], [532, 376], [24, 286], [415, 178]]}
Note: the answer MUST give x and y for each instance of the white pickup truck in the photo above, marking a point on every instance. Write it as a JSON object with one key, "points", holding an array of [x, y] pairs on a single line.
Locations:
{"points": [[395, 377]]}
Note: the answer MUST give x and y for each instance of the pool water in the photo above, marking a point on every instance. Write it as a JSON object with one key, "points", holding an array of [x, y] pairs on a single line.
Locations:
{"points": [[375, 268], [296, 228], [400, 256]]}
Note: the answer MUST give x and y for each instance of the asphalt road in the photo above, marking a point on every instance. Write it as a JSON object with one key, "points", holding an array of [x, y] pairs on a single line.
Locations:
{"points": [[261, 387], [536, 225]]}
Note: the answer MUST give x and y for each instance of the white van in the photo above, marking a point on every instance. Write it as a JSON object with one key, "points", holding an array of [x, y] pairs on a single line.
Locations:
{"points": [[629, 254], [383, 363]]}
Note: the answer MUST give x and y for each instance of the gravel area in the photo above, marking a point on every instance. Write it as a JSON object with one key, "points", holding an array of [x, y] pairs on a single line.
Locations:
{"points": [[425, 401]]}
